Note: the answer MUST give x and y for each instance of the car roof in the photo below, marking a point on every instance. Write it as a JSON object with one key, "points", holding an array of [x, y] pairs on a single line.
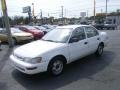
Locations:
{"points": [[72, 26]]}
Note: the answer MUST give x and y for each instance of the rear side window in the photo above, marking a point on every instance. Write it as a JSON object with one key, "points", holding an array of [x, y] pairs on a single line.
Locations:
{"points": [[91, 32]]}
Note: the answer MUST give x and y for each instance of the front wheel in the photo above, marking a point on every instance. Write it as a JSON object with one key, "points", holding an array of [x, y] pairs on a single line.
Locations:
{"points": [[99, 51], [56, 66]]}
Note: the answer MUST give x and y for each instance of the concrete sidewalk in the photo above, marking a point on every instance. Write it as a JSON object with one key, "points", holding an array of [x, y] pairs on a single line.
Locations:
{"points": [[4, 55]]}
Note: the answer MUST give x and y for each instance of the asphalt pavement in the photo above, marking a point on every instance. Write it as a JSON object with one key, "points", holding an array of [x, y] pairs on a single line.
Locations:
{"points": [[89, 73]]}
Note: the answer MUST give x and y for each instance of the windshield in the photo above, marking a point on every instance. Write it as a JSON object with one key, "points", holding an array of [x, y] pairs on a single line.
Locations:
{"points": [[49, 27], [58, 35], [39, 27], [30, 27], [15, 30]]}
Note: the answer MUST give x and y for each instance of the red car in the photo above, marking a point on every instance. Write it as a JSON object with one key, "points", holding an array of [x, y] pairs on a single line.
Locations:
{"points": [[38, 34]]}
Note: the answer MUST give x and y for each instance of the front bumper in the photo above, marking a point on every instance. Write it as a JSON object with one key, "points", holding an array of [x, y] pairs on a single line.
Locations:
{"points": [[24, 39], [28, 68]]}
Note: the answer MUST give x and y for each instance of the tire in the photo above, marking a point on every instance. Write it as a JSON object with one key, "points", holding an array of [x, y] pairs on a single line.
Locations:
{"points": [[56, 66], [99, 51]]}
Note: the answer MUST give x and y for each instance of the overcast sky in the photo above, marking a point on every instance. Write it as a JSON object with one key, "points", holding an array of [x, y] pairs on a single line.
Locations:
{"points": [[72, 8]]}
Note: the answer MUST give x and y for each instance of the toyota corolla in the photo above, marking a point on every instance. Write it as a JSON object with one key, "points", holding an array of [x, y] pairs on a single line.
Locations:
{"points": [[57, 48]]}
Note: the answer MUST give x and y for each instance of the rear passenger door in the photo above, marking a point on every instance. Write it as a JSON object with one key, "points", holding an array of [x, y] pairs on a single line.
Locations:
{"points": [[93, 38]]}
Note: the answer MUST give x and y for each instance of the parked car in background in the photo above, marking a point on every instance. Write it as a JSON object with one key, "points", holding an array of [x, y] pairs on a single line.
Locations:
{"points": [[50, 27], [59, 47], [17, 36], [105, 26], [38, 34], [42, 29]]}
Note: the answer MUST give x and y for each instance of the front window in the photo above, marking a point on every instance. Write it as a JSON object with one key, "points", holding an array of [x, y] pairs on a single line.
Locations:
{"points": [[79, 34], [58, 35]]}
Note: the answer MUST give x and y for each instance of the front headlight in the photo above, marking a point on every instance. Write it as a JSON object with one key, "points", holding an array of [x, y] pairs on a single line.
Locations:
{"points": [[33, 60]]}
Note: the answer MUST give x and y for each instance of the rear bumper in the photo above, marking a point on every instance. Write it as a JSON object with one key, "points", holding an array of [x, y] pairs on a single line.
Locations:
{"points": [[28, 68]]}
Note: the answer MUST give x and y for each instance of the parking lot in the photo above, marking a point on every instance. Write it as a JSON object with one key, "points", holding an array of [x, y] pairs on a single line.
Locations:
{"points": [[89, 73]]}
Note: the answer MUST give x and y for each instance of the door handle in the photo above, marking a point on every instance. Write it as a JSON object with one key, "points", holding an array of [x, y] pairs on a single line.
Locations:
{"points": [[86, 43]]}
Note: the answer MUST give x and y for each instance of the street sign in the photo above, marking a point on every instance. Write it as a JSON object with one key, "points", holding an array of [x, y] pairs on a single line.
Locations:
{"points": [[26, 9], [82, 14]]}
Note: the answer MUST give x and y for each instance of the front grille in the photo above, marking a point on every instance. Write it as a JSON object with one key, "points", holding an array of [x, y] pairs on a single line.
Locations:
{"points": [[20, 68]]}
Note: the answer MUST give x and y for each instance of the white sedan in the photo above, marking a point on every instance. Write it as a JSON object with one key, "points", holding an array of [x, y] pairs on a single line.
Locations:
{"points": [[57, 48]]}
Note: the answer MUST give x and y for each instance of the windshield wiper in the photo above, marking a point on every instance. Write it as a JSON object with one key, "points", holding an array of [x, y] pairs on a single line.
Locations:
{"points": [[48, 40]]}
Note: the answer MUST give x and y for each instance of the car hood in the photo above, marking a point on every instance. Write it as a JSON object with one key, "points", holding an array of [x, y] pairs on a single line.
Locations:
{"points": [[36, 48], [21, 34]]}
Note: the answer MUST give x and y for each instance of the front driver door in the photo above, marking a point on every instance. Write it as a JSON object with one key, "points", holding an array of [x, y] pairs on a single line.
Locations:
{"points": [[78, 44]]}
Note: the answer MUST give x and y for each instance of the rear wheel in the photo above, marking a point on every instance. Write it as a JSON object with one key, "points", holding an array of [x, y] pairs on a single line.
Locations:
{"points": [[99, 51], [56, 66]]}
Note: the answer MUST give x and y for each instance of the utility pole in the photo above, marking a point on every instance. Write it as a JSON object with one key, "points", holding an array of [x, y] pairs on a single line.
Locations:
{"points": [[6, 20], [41, 13], [29, 14], [41, 16], [106, 11], [87, 13], [62, 15], [65, 13], [33, 13], [94, 10], [101, 11], [48, 15]]}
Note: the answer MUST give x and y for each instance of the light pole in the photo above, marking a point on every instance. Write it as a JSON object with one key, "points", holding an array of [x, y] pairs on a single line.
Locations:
{"points": [[41, 16], [7, 25], [62, 14], [33, 10], [106, 12]]}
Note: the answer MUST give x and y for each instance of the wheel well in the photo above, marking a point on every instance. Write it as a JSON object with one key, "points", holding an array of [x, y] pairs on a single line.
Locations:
{"points": [[61, 56], [102, 43]]}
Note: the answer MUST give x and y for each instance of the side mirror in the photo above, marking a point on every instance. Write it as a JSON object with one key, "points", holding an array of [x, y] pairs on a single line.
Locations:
{"points": [[74, 39]]}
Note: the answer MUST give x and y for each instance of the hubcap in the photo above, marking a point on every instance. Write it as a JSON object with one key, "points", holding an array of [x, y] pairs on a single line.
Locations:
{"points": [[100, 50], [57, 67]]}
